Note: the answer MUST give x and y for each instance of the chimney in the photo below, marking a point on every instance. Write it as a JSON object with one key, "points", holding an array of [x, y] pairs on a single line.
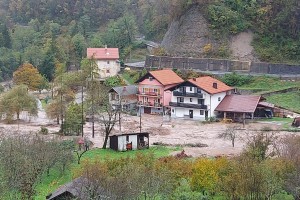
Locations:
{"points": [[105, 49], [124, 89], [194, 79], [215, 85]]}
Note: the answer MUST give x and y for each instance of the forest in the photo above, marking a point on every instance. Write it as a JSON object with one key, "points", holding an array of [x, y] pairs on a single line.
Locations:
{"points": [[47, 32]]}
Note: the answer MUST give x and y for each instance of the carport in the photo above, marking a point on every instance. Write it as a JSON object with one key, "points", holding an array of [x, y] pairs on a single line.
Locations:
{"points": [[239, 107]]}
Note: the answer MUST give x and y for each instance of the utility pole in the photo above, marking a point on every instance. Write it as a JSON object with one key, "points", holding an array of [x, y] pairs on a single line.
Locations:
{"points": [[93, 118], [61, 104], [82, 118], [140, 119]]}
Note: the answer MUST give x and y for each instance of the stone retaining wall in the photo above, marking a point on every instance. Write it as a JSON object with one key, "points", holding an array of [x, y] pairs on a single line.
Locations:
{"points": [[222, 65]]}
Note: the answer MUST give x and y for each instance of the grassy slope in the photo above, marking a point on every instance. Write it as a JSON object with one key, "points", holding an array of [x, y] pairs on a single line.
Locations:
{"points": [[55, 180], [268, 84], [264, 84], [290, 100]]}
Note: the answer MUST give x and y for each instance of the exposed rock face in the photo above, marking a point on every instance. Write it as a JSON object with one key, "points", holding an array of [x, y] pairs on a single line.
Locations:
{"points": [[188, 35], [241, 48]]}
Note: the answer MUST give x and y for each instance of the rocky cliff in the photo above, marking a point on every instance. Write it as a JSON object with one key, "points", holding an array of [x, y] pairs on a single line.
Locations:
{"points": [[191, 36], [187, 35]]}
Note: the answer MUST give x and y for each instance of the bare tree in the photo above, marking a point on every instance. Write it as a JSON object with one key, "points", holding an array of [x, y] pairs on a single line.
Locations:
{"points": [[289, 149], [230, 134], [24, 159], [108, 119], [262, 145]]}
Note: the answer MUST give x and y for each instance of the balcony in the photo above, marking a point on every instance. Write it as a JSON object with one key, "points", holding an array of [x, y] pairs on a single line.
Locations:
{"points": [[154, 94], [188, 105], [187, 94], [149, 104]]}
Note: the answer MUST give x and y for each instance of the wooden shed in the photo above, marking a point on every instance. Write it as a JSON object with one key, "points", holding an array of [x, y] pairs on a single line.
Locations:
{"points": [[129, 141]]}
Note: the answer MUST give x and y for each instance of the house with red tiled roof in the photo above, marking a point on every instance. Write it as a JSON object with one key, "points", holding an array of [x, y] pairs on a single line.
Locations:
{"points": [[107, 60], [153, 90], [198, 98]]}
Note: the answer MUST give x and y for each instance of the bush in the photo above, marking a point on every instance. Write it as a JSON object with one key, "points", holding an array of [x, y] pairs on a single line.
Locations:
{"points": [[44, 130], [235, 79]]}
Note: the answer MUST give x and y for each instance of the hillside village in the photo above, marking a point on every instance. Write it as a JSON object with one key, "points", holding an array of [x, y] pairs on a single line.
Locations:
{"points": [[179, 100], [200, 115]]}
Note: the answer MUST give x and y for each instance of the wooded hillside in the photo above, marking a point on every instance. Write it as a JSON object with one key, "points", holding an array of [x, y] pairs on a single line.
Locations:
{"points": [[48, 32]]}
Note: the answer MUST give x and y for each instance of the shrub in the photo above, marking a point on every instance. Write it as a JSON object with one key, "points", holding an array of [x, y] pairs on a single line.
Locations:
{"points": [[44, 130], [235, 79]]}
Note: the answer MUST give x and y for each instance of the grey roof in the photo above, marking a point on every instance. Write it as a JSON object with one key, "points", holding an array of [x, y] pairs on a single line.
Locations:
{"points": [[79, 188], [125, 90], [69, 187]]}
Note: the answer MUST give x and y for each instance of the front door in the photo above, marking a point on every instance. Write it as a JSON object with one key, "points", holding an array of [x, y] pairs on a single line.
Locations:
{"points": [[191, 113], [206, 115]]}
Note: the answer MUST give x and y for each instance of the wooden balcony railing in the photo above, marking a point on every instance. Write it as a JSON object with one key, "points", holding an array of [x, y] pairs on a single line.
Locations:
{"points": [[187, 94], [158, 105], [148, 94], [188, 105]]}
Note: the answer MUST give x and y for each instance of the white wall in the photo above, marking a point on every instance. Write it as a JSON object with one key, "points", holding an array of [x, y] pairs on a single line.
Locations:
{"points": [[212, 101], [122, 142], [185, 112], [215, 102], [103, 66]]}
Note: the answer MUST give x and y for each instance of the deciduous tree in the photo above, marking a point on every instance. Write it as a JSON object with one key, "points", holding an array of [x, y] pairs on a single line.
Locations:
{"points": [[28, 75], [17, 100]]}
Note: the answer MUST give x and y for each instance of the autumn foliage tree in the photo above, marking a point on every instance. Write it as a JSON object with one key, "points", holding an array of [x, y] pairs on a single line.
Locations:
{"points": [[17, 100], [28, 75]]}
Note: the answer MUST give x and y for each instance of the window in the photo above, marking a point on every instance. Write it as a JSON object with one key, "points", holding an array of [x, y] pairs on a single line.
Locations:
{"points": [[191, 88], [201, 112], [191, 99], [181, 89], [173, 111], [201, 101], [108, 62], [180, 99], [107, 71], [150, 78], [127, 138], [219, 98], [198, 90], [156, 91]]}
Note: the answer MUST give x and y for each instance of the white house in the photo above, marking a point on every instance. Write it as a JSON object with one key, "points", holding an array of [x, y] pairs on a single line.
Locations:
{"points": [[107, 60], [198, 98]]}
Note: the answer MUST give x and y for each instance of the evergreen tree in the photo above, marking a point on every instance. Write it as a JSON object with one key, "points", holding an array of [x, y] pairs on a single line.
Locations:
{"points": [[6, 37]]}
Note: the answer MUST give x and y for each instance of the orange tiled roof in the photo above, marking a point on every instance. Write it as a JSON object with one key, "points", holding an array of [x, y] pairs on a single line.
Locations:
{"points": [[206, 83], [103, 53], [166, 77]]}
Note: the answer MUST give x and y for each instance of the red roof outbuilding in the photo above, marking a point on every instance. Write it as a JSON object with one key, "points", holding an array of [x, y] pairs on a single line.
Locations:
{"points": [[239, 103]]}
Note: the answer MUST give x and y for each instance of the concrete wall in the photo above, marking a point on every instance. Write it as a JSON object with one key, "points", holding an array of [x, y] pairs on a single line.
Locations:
{"points": [[222, 65]]}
